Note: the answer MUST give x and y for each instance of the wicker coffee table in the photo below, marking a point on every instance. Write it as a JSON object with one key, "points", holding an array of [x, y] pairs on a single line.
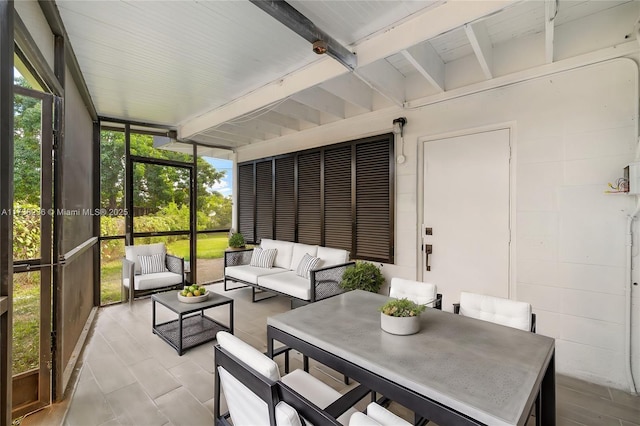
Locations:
{"points": [[189, 330]]}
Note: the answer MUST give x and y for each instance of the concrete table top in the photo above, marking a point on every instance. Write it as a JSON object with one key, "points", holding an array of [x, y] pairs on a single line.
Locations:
{"points": [[486, 371]]}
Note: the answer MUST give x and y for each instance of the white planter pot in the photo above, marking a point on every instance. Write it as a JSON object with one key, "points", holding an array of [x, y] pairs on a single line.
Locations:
{"points": [[399, 325]]}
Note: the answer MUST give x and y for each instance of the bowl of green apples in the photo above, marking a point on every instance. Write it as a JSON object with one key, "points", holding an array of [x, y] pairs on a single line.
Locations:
{"points": [[193, 293]]}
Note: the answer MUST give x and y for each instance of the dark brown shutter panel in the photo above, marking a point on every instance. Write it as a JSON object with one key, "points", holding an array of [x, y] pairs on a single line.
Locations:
{"points": [[309, 226], [372, 200], [264, 200], [285, 199], [337, 198], [246, 202]]}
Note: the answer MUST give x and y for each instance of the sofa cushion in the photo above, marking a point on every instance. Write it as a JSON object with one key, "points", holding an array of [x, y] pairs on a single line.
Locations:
{"points": [[288, 283], [131, 253], [152, 264], [153, 281], [299, 250], [263, 258], [332, 256], [249, 273], [285, 250], [307, 263]]}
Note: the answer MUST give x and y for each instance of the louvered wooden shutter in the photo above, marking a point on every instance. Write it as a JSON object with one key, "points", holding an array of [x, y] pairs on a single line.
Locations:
{"points": [[337, 198], [373, 201], [246, 202], [264, 200], [285, 199], [309, 226]]}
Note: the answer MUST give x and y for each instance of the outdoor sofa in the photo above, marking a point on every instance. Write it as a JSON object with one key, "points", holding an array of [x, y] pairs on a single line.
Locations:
{"points": [[305, 273]]}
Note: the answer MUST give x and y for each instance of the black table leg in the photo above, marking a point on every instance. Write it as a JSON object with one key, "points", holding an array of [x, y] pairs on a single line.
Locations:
{"points": [[548, 395], [180, 334], [231, 318]]}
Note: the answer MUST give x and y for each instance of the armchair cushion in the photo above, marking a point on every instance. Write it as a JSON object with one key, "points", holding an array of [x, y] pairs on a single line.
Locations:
{"points": [[152, 263], [153, 281], [131, 253]]}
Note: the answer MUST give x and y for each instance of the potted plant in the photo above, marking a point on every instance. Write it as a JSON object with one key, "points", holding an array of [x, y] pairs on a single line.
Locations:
{"points": [[401, 316], [236, 240], [363, 276]]}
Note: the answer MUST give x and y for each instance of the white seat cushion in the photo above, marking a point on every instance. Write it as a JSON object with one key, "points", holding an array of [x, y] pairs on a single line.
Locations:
{"points": [[299, 250], [332, 256], [246, 409], [288, 283], [496, 309], [249, 355], [315, 391], [416, 291], [285, 251], [153, 281], [384, 416], [131, 253], [249, 273], [361, 419]]}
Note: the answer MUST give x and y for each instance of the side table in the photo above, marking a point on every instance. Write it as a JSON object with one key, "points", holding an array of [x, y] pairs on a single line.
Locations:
{"points": [[189, 330]]}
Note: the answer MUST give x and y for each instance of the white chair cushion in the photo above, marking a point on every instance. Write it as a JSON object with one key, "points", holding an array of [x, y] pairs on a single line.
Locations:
{"points": [[249, 355], [131, 253], [249, 273], [332, 256], [299, 250], [285, 251], [384, 416], [496, 309], [315, 391], [246, 409], [153, 281], [361, 419], [416, 291], [288, 283]]}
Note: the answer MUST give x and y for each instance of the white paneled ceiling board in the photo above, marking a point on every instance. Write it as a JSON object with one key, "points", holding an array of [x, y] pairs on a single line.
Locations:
{"points": [[226, 74]]}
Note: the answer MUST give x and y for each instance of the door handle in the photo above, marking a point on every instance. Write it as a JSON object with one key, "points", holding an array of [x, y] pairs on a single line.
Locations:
{"points": [[428, 250]]}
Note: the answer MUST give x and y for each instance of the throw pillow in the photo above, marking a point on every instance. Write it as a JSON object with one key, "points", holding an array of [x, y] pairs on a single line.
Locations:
{"points": [[152, 263], [307, 263], [263, 258]]}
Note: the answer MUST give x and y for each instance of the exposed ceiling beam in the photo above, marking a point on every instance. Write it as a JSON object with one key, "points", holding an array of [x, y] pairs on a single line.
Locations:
{"points": [[321, 100], [250, 132], [258, 125], [428, 63], [215, 142], [351, 89], [298, 111], [232, 134], [281, 120], [481, 44], [550, 12], [422, 26], [287, 15], [385, 79]]}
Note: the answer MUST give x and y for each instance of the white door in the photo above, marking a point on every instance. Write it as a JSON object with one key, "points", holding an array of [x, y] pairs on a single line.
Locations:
{"points": [[466, 211]]}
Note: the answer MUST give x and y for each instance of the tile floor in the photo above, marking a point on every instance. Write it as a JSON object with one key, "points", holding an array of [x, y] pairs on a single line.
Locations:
{"points": [[129, 376]]}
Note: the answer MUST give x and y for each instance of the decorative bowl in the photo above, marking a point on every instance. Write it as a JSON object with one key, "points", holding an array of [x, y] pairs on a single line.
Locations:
{"points": [[194, 299], [401, 326]]}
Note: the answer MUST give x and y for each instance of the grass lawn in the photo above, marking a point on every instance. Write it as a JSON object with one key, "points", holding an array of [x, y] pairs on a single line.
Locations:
{"points": [[26, 322], [210, 246]]}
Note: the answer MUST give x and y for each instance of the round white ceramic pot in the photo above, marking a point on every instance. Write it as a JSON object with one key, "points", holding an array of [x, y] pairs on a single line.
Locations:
{"points": [[399, 325]]}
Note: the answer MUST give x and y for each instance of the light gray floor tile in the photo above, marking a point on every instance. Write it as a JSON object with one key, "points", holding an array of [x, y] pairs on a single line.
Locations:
{"points": [[109, 371], [89, 406], [154, 378], [133, 406], [596, 405], [627, 399], [130, 350], [183, 409], [583, 386], [584, 417], [196, 379]]}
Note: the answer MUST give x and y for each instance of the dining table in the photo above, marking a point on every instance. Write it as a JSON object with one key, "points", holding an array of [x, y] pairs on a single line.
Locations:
{"points": [[455, 370]]}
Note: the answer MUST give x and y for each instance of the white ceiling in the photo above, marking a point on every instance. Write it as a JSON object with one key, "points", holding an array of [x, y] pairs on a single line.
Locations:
{"points": [[226, 74]]}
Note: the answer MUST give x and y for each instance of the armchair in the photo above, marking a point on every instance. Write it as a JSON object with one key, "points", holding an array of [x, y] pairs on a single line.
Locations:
{"points": [[148, 268]]}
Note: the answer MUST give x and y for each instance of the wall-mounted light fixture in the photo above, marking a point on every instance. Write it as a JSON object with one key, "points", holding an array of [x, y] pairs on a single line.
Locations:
{"points": [[398, 130]]}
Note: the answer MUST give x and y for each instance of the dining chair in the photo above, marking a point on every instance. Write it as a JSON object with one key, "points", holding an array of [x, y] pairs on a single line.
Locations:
{"points": [[417, 291], [377, 416], [511, 313], [256, 394]]}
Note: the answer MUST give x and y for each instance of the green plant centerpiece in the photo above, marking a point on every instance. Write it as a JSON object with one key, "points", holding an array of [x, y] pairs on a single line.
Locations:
{"points": [[236, 240], [363, 276], [401, 316]]}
